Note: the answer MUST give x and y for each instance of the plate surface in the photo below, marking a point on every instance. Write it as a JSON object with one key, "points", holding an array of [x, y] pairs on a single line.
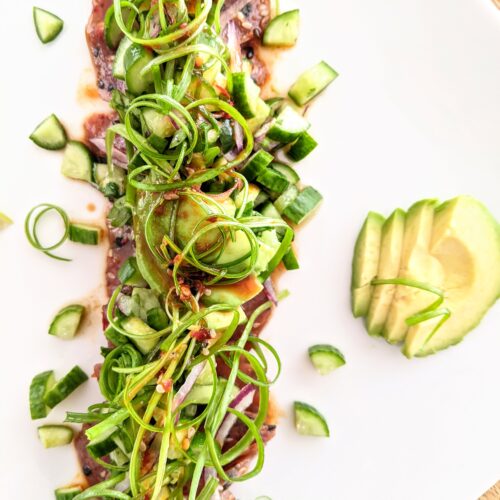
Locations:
{"points": [[414, 114]]}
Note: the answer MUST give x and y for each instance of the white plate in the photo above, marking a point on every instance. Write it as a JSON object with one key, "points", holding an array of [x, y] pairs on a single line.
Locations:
{"points": [[414, 114]]}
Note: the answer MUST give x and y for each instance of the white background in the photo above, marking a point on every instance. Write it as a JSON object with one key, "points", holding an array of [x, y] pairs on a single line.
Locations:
{"points": [[414, 114]]}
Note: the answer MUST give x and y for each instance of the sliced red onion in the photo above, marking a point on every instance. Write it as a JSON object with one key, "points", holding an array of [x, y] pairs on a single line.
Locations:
{"points": [[224, 195], [238, 137], [121, 86], [119, 158], [231, 155], [154, 27], [270, 291], [262, 132], [186, 387], [241, 402], [233, 46], [209, 472]]}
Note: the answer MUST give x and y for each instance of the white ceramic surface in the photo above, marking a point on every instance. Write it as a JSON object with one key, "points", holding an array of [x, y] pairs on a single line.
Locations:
{"points": [[414, 114]]}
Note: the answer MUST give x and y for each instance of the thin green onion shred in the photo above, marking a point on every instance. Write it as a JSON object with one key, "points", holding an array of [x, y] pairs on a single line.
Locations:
{"points": [[432, 311], [32, 222]]}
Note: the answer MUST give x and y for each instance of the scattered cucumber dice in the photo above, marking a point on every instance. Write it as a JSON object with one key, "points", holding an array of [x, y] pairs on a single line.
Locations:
{"points": [[109, 180], [273, 180], [120, 213], [50, 134], [65, 386], [245, 94], [286, 198], [199, 394], [135, 59], [257, 164], [67, 321], [283, 30], [269, 210], [310, 83], [157, 318], [115, 337], [119, 62], [39, 387], [286, 171], [104, 444], [290, 260], [309, 421], [303, 205], [47, 25], [158, 124], [288, 126], [77, 162], [84, 233], [304, 145], [112, 32], [262, 112], [325, 358], [55, 435], [129, 273]]}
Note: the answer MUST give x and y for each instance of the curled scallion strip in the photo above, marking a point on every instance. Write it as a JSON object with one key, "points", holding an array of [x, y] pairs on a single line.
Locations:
{"points": [[31, 228], [111, 381], [186, 32], [103, 489]]}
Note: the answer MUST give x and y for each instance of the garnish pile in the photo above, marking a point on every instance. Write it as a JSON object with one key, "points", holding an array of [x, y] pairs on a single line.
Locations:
{"points": [[204, 204]]}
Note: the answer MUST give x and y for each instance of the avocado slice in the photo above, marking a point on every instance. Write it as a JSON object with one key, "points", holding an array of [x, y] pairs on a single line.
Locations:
{"points": [[391, 248], [149, 266], [365, 263], [219, 320], [234, 294], [136, 326], [190, 213], [236, 252], [466, 242], [417, 264]]}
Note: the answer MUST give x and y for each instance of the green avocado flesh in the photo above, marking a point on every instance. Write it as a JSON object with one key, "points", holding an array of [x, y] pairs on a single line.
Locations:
{"points": [[466, 242], [453, 247], [391, 247], [417, 264], [365, 263], [234, 294]]}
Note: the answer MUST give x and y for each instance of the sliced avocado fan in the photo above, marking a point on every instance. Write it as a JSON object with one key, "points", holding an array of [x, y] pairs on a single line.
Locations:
{"points": [[441, 266]]}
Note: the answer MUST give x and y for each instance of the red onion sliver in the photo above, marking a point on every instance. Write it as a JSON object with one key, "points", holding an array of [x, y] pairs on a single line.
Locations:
{"points": [[262, 132], [270, 292], [233, 47], [154, 26], [209, 472], [186, 387], [231, 155], [240, 403], [119, 158], [121, 86], [238, 137], [224, 195]]}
